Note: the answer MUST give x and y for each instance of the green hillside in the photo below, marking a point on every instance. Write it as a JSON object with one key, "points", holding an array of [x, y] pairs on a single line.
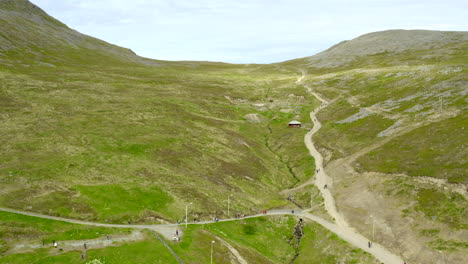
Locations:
{"points": [[394, 136], [92, 131], [77, 117]]}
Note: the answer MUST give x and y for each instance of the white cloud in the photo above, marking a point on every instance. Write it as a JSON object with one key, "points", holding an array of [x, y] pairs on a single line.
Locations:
{"points": [[247, 30]]}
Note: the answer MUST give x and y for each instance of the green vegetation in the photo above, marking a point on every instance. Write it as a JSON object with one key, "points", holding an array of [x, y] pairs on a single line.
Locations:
{"points": [[449, 245], [90, 115], [92, 131], [288, 143], [115, 202], [267, 236], [436, 205], [15, 227], [348, 138], [149, 251], [320, 246], [435, 150], [267, 240], [258, 240], [445, 208]]}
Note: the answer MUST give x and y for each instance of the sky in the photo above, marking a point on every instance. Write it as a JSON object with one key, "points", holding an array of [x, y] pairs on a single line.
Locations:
{"points": [[247, 31]]}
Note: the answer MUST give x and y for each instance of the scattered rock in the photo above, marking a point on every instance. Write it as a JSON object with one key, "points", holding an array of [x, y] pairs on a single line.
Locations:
{"points": [[391, 129], [235, 101], [46, 64], [415, 108], [254, 118], [363, 113]]}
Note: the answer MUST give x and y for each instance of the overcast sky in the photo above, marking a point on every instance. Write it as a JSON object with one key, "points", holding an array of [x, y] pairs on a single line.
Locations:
{"points": [[247, 31]]}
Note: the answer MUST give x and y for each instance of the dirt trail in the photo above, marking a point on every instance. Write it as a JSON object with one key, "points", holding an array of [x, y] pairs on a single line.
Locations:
{"points": [[321, 177], [357, 240], [346, 233], [233, 251], [74, 245], [324, 183]]}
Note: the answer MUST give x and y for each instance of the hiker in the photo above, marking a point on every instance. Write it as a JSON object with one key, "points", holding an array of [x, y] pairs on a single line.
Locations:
{"points": [[108, 237], [55, 244], [369, 244], [84, 245], [325, 186], [177, 232]]}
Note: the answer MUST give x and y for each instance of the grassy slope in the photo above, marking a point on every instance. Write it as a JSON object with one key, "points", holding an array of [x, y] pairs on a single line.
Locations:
{"points": [[391, 85], [262, 240], [149, 251], [266, 240], [91, 131], [422, 94]]}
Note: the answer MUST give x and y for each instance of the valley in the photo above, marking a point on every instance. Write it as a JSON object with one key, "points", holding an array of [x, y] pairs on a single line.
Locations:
{"points": [[104, 147]]}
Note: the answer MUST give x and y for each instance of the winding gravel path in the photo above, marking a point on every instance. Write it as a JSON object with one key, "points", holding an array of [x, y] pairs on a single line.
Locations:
{"points": [[341, 226]]}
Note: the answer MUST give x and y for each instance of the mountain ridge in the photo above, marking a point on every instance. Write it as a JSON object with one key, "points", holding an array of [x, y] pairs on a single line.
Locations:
{"points": [[391, 41]]}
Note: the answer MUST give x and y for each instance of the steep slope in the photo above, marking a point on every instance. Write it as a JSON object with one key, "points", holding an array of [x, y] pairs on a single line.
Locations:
{"points": [[27, 32], [394, 137]]}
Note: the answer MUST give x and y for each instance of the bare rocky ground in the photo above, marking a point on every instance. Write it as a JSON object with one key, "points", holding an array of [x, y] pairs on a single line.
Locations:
{"points": [[369, 202]]}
